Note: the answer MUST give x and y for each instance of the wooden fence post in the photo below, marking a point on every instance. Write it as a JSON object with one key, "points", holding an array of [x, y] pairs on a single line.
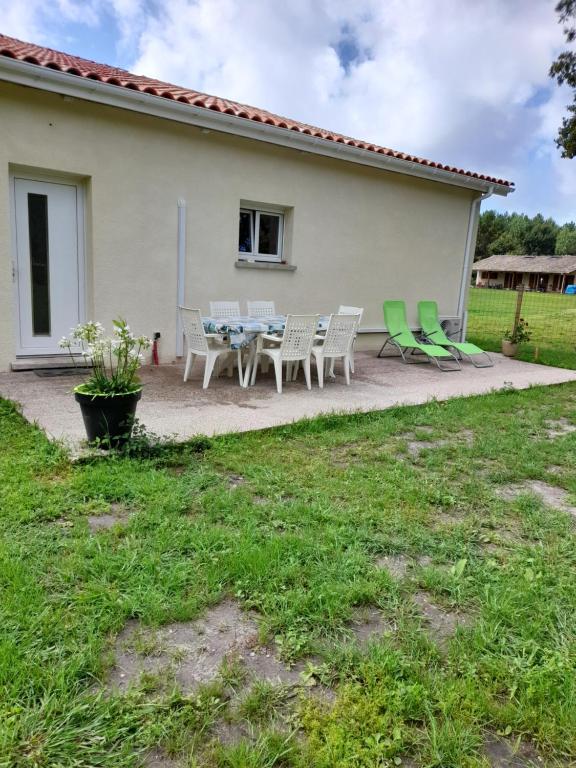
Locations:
{"points": [[519, 299]]}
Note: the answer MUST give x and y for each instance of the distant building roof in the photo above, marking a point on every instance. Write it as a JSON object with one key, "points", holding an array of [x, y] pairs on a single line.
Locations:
{"points": [[561, 265]]}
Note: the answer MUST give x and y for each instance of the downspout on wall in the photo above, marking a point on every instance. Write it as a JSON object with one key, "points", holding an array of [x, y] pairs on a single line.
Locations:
{"points": [[180, 275], [469, 257]]}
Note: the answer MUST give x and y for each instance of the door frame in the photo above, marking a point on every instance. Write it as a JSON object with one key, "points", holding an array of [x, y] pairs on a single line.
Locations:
{"points": [[50, 178]]}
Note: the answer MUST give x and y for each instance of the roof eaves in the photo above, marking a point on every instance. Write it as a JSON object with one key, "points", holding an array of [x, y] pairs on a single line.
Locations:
{"points": [[145, 95]]}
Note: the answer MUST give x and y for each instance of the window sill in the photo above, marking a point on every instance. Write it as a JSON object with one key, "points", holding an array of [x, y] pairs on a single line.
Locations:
{"points": [[278, 265]]}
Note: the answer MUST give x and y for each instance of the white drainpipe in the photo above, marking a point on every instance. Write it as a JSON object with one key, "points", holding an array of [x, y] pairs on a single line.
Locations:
{"points": [[468, 258], [181, 274]]}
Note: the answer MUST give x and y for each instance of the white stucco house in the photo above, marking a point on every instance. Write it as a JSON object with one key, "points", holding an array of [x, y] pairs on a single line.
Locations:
{"points": [[123, 195]]}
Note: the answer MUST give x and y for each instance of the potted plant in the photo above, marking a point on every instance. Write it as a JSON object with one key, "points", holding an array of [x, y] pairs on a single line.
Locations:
{"points": [[108, 399], [516, 336]]}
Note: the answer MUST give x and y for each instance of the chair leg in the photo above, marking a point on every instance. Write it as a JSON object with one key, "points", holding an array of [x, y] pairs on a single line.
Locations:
{"points": [[351, 363], [208, 368], [306, 366], [240, 375], [320, 370], [255, 368], [278, 372], [348, 366], [289, 365], [296, 370], [189, 363]]}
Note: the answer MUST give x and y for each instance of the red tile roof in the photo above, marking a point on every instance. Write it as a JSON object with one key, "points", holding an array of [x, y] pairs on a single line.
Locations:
{"points": [[64, 62]]}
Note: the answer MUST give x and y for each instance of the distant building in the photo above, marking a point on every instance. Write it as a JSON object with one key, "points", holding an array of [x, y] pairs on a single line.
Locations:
{"points": [[545, 273]]}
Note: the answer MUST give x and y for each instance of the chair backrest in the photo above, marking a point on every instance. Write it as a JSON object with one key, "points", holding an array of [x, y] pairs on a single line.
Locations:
{"points": [[225, 308], [193, 329], [298, 336], [429, 321], [396, 322], [344, 310], [261, 308], [340, 333]]}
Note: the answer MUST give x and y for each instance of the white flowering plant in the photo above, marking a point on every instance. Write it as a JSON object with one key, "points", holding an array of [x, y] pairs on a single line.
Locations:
{"points": [[115, 359]]}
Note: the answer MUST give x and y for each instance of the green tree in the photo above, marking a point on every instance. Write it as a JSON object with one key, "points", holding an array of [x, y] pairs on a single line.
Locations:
{"points": [[506, 243], [540, 236], [563, 70], [566, 240], [490, 226], [515, 233]]}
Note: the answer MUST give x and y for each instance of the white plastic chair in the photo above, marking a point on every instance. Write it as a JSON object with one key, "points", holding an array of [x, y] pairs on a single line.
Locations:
{"points": [[358, 311], [228, 309], [261, 308], [294, 345], [199, 344], [225, 309], [336, 344]]}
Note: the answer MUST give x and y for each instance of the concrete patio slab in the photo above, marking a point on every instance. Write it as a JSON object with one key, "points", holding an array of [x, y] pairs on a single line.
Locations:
{"points": [[171, 407]]}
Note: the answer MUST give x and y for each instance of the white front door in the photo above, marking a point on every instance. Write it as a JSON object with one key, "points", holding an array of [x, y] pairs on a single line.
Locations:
{"points": [[48, 263]]}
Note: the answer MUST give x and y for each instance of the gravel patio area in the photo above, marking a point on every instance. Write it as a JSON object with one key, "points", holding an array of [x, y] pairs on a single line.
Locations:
{"points": [[171, 407]]}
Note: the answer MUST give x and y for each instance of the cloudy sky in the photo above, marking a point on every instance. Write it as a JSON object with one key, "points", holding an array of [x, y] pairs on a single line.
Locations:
{"points": [[463, 82]]}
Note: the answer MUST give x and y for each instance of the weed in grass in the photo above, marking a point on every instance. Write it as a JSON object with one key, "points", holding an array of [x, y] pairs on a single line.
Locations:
{"points": [[263, 702]]}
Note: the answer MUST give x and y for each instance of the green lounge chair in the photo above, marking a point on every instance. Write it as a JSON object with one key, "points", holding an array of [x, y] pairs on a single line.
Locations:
{"points": [[432, 330], [404, 340]]}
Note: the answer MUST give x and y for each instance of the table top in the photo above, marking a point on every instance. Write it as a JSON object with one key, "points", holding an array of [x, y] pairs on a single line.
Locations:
{"points": [[242, 329]]}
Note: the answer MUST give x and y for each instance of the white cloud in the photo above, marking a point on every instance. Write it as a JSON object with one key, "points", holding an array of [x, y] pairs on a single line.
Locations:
{"points": [[33, 20], [447, 79]]}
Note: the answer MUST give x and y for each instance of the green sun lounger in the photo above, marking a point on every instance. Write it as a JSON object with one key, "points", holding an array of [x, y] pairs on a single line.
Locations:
{"points": [[432, 330], [401, 337]]}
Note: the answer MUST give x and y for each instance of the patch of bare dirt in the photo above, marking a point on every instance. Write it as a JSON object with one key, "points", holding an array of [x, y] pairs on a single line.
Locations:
{"points": [[415, 446], [500, 542], [504, 753], [262, 664], [369, 623], [118, 515], [440, 624], [555, 469], [176, 469], [104, 522], [446, 519], [551, 495], [345, 456], [396, 565], [558, 427], [189, 653], [192, 653], [156, 758], [399, 565], [235, 481]]}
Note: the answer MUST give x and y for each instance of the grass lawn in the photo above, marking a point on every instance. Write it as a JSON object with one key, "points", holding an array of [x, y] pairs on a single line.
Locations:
{"points": [[413, 517], [551, 318]]}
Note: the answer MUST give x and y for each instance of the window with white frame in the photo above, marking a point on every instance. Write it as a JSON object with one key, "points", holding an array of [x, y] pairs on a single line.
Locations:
{"points": [[260, 235]]}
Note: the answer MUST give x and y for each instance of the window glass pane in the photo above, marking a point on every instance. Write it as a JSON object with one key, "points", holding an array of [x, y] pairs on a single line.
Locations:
{"points": [[245, 236], [39, 266], [269, 234]]}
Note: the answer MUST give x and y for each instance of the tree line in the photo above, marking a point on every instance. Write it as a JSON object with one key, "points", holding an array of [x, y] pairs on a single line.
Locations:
{"points": [[516, 233]]}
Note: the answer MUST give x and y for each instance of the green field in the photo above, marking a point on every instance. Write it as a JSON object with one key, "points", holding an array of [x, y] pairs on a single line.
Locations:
{"points": [[406, 518], [551, 318]]}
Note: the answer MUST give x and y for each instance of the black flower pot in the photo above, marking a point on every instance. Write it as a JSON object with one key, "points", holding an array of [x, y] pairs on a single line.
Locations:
{"points": [[108, 418]]}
